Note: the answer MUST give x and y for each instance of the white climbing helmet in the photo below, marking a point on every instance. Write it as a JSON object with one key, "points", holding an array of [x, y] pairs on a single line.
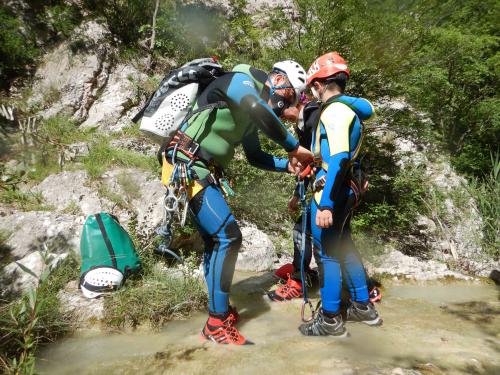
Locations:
{"points": [[100, 280], [295, 74]]}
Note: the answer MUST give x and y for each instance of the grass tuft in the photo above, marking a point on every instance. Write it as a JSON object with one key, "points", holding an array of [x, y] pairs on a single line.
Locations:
{"points": [[102, 156], [158, 293], [24, 201], [34, 318]]}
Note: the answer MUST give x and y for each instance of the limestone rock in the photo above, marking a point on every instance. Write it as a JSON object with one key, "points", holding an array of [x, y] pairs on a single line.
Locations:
{"points": [[144, 193], [82, 309], [64, 189], [426, 225], [30, 233], [69, 82], [403, 371], [76, 151], [395, 263], [139, 145], [81, 78], [118, 96], [15, 280], [454, 232], [257, 251], [29, 230]]}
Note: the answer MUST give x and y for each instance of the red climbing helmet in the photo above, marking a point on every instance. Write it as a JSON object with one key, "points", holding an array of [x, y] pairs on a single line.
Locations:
{"points": [[326, 66]]}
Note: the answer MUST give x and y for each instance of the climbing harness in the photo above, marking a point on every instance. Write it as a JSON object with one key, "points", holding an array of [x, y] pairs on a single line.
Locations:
{"points": [[182, 183], [305, 210]]}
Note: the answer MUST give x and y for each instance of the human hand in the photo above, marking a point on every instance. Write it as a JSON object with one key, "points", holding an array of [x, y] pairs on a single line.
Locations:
{"points": [[302, 155], [291, 114], [294, 168], [293, 204], [324, 218]]}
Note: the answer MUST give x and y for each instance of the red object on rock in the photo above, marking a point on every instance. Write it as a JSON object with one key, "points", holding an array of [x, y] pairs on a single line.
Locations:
{"points": [[284, 271]]}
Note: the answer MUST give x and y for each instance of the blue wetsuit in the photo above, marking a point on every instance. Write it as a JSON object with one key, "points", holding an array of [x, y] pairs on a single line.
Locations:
{"points": [[310, 116], [218, 132], [337, 139]]}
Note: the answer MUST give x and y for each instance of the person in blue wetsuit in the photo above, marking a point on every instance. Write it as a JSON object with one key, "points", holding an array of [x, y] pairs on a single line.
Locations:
{"points": [[336, 141], [231, 111], [307, 119]]}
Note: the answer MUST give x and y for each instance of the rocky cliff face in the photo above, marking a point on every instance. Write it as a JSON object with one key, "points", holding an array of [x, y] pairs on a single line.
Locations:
{"points": [[82, 77], [452, 230]]}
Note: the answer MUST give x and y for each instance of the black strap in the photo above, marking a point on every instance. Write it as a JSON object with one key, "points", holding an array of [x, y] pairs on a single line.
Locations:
{"points": [[139, 114], [106, 239], [211, 107], [97, 289]]}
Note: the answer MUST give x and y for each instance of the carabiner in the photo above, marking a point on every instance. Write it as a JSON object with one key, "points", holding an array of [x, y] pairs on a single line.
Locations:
{"points": [[184, 202], [303, 311], [171, 202]]}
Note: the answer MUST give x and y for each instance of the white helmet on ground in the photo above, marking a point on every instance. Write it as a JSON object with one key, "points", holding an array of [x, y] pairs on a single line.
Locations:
{"points": [[295, 74], [100, 280]]}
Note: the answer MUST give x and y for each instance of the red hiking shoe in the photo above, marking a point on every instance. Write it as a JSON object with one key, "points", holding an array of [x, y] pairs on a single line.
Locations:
{"points": [[292, 289], [233, 314], [221, 331], [375, 295], [284, 271]]}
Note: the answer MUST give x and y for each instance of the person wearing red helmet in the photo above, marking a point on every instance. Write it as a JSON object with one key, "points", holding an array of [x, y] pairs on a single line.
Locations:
{"points": [[336, 141], [306, 116]]}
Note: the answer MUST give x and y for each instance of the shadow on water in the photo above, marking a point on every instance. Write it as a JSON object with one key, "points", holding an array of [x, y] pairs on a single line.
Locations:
{"points": [[249, 295], [428, 329], [480, 313]]}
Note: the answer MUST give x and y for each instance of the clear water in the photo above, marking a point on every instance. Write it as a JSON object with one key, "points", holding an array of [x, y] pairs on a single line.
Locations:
{"points": [[450, 328]]}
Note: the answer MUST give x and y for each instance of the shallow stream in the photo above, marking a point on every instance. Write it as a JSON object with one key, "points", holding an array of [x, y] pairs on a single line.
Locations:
{"points": [[435, 328]]}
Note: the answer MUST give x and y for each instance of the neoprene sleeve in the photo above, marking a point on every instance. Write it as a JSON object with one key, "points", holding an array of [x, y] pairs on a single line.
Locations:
{"points": [[362, 107], [242, 93], [259, 158]]}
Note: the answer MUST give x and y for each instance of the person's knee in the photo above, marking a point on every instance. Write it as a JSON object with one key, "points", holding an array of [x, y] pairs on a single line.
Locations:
{"points": [[233, 235]]}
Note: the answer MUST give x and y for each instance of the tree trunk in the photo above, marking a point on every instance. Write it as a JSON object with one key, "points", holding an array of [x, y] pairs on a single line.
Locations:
{"points": [[153, 35]]}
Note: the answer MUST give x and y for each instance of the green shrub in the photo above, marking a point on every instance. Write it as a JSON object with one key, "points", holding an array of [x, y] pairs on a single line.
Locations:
{"points": [[486, 192], [157, 294], [261, 197], [52, 138], [34, 318], [155, 297], [17, 49], [61, 19], [124, 17]]}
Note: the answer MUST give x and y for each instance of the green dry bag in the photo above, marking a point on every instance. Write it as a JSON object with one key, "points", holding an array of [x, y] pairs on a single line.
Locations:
{"points": [[106, 244]]}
